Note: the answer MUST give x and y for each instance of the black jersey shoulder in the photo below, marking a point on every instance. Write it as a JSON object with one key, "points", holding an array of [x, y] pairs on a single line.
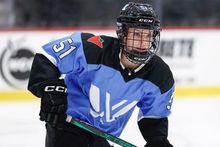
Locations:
{"points": [[99, 49], [159, 73]]}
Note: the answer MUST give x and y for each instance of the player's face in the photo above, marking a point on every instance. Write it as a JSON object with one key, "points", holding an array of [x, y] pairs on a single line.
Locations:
{"points": [[138, 39]]}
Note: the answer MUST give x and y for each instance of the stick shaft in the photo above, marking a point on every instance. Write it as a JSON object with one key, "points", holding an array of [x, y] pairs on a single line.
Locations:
{"points": [[96, 131]]}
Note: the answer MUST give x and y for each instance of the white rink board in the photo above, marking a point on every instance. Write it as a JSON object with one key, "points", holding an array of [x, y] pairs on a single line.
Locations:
{"points": [[193, 55], [193, 123]]}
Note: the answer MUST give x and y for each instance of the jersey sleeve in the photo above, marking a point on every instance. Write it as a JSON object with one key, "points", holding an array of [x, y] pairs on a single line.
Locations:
{"points": [[66, 53], [41, 70], [156, 104]]}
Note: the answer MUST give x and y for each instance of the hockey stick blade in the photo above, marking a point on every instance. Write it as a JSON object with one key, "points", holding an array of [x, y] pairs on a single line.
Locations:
{"points": [[86, 126]]}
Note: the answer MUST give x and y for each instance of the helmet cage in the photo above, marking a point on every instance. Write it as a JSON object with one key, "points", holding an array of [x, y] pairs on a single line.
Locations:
{"points": [[135, 56]]}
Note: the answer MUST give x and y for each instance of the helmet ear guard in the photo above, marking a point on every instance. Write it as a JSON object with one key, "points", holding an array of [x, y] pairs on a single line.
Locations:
{"points": [[138, 15]]}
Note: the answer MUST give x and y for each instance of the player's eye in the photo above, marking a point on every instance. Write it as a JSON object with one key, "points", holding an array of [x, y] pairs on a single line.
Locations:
{"points": [[137, 34]]}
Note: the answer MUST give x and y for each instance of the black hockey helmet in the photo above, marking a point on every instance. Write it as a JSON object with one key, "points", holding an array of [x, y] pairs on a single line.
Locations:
{"points": [[138, 15]]}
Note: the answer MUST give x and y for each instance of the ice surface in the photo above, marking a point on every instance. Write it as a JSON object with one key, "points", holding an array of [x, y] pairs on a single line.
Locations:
{"points": [[193, 123]]}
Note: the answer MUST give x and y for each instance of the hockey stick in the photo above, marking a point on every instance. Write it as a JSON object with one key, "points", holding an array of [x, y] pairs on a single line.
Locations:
{"points": [[96, 131]]}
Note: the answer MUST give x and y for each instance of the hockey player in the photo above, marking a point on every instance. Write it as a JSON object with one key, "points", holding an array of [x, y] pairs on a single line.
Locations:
{"points": [[100, 80]]}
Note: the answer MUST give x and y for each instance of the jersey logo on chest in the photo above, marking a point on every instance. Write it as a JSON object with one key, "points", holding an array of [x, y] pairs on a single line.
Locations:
{"points": [[107, 113]]}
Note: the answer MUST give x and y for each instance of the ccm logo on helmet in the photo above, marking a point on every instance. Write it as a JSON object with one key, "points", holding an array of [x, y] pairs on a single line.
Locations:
{"points": [[55, 88], [145, 20]]}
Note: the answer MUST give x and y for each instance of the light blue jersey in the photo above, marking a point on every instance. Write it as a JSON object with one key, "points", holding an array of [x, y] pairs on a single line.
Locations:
{"points": [[99, 90]]}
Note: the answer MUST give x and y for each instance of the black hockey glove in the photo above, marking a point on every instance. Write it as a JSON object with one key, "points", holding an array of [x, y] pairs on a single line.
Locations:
{"points": [[53, 102], [159, 143]]}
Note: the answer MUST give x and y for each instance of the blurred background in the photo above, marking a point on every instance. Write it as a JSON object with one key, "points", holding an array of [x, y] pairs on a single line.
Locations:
{"points": [[189, 44], [47, 13]]}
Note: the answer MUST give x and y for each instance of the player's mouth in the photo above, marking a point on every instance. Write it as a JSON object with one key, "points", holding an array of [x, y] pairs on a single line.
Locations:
{"points": [[141, 50]]}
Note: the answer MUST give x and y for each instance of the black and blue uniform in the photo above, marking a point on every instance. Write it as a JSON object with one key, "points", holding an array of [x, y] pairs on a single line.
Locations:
{"points": [[104, 93]]}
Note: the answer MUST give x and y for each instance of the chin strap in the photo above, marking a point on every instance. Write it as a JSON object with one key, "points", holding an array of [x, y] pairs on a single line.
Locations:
{"points": [[130, 71]]}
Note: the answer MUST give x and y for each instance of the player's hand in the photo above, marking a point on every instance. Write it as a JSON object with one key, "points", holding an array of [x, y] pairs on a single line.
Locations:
{"points": [[53, 102]]}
